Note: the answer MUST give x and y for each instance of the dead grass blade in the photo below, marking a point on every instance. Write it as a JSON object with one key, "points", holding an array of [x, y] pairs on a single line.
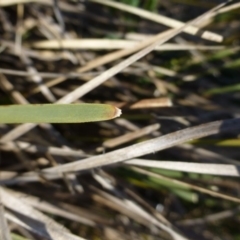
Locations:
{"points": [[50, 208], [150, 146], [7, 86], [161, 19], [210, 218], [111, 143], [220, 11], [5, 3], [206, 154], [14, 72], [202, 168], [36, 148], [4, 229], [134, 211], [17, 132], [111, 44], [145, 103], [34, 220]]}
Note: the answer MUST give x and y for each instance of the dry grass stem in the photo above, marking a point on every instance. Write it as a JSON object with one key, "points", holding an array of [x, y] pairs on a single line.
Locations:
{"points": [[167, 167]]}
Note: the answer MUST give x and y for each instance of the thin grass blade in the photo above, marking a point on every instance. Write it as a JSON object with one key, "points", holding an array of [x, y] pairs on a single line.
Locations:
{"points": [[57, 113]]}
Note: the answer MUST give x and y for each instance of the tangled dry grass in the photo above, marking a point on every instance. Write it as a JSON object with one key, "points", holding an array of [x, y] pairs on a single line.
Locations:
{"points": [[168, 168]]}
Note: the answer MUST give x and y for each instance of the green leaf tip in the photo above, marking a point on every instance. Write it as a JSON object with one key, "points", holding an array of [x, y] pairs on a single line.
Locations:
{"points": [[58, 113]]}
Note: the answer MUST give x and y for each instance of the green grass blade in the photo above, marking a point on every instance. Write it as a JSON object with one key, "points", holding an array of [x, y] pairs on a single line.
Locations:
{"points": [[222, 90], [57, 113]]}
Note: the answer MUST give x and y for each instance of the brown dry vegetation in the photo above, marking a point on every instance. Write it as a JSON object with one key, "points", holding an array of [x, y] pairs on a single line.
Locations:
{"points": [[168, 168]]}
